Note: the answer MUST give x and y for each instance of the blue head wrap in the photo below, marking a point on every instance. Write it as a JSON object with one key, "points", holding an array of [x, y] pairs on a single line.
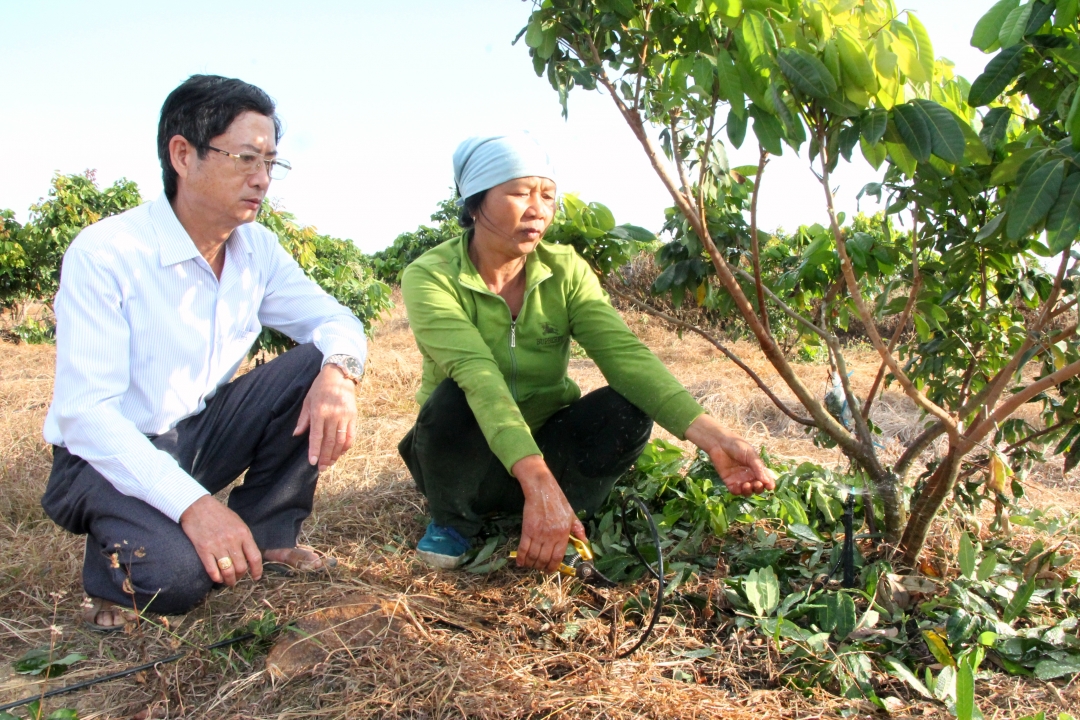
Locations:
{"points": [[481, 163]]}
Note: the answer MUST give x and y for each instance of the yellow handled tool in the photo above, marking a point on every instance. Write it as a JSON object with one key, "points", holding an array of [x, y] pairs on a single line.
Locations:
{"points": [[581, 564]]}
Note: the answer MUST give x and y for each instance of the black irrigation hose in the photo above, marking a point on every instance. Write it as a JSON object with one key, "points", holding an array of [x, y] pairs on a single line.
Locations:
{"points": [[657, 573], [130, 671]]}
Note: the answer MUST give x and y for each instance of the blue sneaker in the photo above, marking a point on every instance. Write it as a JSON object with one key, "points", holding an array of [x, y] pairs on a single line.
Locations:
{"points": [[442, 547]]}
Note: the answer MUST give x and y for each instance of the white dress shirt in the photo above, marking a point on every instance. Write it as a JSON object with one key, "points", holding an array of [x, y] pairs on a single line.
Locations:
{"points": [[146, 333]]}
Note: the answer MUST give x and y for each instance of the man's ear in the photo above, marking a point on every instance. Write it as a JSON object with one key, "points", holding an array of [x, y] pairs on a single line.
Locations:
{"points": [[182, 155]]}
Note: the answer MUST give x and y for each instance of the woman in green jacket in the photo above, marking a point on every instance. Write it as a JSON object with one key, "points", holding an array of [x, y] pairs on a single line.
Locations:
{"points": [[502, 429]]}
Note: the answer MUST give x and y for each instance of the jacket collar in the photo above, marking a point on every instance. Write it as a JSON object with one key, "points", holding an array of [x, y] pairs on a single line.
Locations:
{"points": [[175, 243], [536, 270]]}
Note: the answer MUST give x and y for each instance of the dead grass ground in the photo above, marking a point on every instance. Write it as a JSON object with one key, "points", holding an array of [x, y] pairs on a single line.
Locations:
{"points": [[483, 647]]}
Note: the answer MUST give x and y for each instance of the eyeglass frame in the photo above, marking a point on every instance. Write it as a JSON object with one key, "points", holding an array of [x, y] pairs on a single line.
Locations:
{"points": [[269, 164]]}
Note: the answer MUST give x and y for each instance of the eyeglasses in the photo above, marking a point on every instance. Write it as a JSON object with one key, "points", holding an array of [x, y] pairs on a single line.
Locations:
{"points": [[248, 163]]}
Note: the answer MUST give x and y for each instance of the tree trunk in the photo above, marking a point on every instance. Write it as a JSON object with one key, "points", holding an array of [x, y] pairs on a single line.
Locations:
{"points": [[886, 485], [926, 506]]}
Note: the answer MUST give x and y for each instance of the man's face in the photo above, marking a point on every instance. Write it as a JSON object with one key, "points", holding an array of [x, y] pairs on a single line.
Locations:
{"points": [[215, 182]]}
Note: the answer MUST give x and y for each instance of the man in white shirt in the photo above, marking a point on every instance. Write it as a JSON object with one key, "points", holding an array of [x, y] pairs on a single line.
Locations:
{"points": [[156, 310]]}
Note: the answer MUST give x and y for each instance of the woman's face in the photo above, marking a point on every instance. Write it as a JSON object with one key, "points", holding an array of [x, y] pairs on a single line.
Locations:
{"points": [[515, 215]]}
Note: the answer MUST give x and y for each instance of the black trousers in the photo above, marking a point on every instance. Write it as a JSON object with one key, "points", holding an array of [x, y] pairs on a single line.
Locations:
{"points": [[588, 445], [134, 553]]}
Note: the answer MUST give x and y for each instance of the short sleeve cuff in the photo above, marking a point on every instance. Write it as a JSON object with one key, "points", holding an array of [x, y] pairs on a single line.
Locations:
{"points": [[174, 493]]}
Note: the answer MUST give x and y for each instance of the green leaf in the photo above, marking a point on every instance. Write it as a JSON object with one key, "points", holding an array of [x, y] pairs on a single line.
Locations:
{"points": [[845, 615], [548, 44], [64, 714], [1019, 601], [986, 567], [875, 153], [1066, 12], [906, 48], [534, 35], [874, 123], [902, 158], [995, 124], [999, 72], [938, 647], [762, 590], [730, 84], [604, 218], [1040, 13], [488, 567], [899, 670], [757, 37], [768, 129], [965, 691], [1050, 669], [806, 73], [736, 128], [793, 127], [987, 29], [926, 48], [946, 137], [1063, 220], [966, 556], [1014, 24], [856, 62], [1034, 198], [485, 552], [913, 130], [1008, 168]]}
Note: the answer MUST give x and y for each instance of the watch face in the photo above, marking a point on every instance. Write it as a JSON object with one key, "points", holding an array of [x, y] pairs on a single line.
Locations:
{"points": [[350, 365]]}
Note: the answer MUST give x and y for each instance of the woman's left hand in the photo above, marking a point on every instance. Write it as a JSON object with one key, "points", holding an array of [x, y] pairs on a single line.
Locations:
{"points": [[736, 462]]}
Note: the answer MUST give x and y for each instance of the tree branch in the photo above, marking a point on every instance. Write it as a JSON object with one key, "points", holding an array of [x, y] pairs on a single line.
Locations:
{"points": [[676, 154], [996, 387], [754, 247], [715, 343], [916, 285], [864, 314], [822, 419], [1008, 407], [916, 448], [1037, 435]]}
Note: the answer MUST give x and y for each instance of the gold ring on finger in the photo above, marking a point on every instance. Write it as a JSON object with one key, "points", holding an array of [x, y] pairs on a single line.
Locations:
{"points": [[225, 563]]}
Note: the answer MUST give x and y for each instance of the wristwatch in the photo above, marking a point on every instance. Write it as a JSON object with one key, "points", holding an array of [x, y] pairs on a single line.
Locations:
{"points": [[350, 367]]}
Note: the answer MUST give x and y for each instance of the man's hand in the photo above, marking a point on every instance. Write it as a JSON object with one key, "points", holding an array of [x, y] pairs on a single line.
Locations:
{"points": [[548, 520], [738, 465], [330, 412], [218, 533]]}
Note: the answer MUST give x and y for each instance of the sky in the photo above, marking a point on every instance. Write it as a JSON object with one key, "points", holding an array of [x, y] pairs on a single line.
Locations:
{"points": [[374, 97]]}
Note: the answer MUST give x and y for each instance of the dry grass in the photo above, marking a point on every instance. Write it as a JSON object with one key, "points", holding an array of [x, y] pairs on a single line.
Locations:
{"points": [[485, 647]]}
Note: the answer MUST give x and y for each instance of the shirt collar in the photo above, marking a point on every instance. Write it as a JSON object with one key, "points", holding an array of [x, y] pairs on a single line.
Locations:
{"points": [[535, 269], [176, 244]]}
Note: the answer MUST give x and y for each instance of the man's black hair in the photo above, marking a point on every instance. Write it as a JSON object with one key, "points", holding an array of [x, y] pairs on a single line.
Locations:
{"points": [[201, 108], [467, 216]]}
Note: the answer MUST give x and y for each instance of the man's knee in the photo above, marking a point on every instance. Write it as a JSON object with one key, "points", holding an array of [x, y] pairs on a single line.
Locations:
{"points": [[305, 361], [170, 581], [173, 587]]}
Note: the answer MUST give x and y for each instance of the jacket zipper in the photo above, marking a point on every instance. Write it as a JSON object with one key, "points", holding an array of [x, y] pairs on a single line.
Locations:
{"points": [[513, 358]]}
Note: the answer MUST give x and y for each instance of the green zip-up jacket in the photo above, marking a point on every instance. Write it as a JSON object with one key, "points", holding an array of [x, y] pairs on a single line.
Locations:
{"points": [[513, 372]]}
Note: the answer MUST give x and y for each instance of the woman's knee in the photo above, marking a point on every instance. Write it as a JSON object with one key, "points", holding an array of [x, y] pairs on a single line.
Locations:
{"points": [[446, 420]]}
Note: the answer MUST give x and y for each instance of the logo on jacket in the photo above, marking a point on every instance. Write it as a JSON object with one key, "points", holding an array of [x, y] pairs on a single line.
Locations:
{"points": [[549, 329]]}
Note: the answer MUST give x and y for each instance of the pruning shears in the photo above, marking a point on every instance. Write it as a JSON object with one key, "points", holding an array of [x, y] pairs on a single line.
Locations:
{"points": [[580, 565]]}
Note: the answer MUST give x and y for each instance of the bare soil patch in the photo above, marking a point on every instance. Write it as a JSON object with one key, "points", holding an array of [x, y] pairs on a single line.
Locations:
{"points": [[463, 645]]}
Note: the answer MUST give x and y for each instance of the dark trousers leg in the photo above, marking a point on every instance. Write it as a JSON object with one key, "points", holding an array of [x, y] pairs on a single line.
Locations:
{"points": [[588, 445], [134, 552]]}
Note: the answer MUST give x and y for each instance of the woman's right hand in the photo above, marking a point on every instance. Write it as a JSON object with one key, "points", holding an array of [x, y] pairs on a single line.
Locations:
{"points": [[548, 521]]}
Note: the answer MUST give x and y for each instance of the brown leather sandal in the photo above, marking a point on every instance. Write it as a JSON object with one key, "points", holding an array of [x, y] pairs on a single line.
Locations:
{"points": [[91, 607]]}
